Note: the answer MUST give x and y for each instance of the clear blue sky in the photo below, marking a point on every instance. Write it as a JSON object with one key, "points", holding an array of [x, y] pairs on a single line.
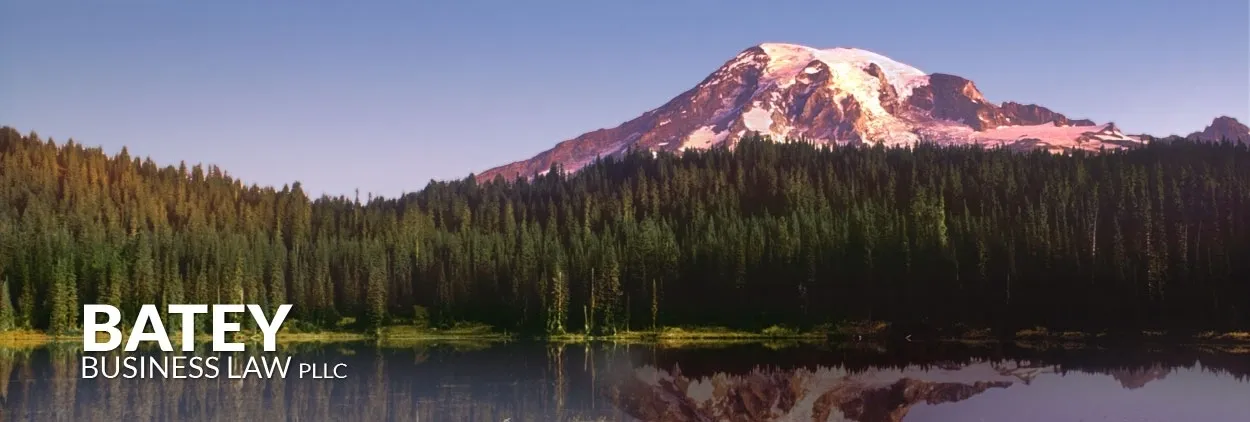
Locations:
{"points": [[387, 96]]}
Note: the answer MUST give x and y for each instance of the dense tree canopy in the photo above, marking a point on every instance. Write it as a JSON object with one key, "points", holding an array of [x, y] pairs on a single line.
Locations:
{"points": [[766, 233]]}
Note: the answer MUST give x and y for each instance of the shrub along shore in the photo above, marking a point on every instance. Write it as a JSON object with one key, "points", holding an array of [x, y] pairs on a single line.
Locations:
{"points": [[841, 333]]}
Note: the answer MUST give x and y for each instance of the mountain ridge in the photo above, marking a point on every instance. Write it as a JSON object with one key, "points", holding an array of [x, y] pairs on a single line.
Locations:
{"points": [[842, 96], [1223, 128]]}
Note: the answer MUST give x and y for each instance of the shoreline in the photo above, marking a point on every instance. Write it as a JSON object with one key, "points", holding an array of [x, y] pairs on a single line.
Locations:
{"points": [[879, 333]]}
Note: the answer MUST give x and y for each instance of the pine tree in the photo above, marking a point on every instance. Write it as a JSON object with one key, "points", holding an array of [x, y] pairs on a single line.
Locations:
{"points": [[276, 279], [557, 313], [143, 280], [610, 293], [63, 298], [8, 318], [375, 291]]}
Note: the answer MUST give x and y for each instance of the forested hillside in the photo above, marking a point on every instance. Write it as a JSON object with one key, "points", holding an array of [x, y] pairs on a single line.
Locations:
{"points": [[769, 233]]}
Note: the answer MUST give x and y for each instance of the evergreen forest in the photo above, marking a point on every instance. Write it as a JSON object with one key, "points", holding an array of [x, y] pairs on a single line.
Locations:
{"points": [[767, 233]]}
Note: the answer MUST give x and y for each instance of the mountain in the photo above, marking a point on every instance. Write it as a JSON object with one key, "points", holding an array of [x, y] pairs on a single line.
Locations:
{"points": [[820, 394], [1223, 128], [1133, 379], [841, 96]]}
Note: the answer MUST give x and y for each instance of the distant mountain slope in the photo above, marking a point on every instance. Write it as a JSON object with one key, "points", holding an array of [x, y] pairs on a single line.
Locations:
{"points": [[842, 96], [1221, 129], [822, 394]]}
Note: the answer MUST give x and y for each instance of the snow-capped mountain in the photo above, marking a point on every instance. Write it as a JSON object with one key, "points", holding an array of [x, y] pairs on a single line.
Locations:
{"points": [[820, 394], [840, 95]]}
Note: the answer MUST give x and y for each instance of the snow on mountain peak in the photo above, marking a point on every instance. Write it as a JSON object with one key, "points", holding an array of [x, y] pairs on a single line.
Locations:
{"points": [[832, 96], [787, 60]]}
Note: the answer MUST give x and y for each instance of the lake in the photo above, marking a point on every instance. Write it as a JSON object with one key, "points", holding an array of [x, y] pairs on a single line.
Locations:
{"points": [[531, 381]]}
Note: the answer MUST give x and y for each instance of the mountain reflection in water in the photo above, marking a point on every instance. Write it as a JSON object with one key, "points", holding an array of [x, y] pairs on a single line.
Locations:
{"points": [[743, 382]]}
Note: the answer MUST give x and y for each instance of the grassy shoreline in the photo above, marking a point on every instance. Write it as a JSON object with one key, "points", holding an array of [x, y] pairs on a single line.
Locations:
{"points": [[679, 336]]}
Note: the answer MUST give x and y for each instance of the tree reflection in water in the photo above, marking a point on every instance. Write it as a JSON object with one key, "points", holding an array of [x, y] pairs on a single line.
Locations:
{"points": [[546, 382]]}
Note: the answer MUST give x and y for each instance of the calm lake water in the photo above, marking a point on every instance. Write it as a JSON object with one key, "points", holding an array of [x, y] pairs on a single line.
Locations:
{"points": [[742, 382]]}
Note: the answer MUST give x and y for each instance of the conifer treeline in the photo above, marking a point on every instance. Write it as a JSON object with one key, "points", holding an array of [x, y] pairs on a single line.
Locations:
{"points": [[769, 233]]}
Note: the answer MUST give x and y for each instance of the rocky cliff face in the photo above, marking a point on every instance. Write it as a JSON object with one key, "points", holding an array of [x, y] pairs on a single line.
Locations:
{"points": [[842, 96], [1032, 114], [1221, 129]]}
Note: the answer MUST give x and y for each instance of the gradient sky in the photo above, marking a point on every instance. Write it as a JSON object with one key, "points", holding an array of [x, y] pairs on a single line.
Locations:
{"points": [[386, 97]]}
